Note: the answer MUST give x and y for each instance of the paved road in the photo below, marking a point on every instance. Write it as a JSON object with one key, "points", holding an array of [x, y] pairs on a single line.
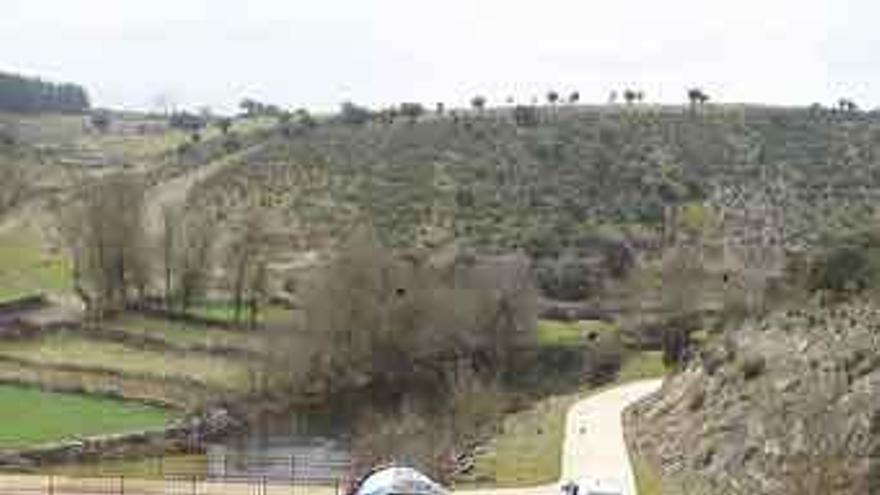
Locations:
{"points": [[594, 444]]}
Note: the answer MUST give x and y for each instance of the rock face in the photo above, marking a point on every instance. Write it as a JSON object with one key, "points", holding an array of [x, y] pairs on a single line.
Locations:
{"points": [[787, 406]]}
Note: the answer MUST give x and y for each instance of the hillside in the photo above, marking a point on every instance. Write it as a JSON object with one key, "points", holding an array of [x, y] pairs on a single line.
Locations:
{"points": [[582, 173], [787, 406]]}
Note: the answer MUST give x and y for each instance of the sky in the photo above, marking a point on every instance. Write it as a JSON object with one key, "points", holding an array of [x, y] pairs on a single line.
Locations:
{"points": [[145, 53]]}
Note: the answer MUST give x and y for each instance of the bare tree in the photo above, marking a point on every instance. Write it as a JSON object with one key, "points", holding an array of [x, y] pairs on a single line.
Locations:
{"points": [[478, 103], [187, 245], [372, 314], [247, 265], [103, 227]]}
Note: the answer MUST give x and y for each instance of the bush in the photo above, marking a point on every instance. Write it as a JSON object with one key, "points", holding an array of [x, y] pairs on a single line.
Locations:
{"points": [[752, 367], [569, 278], [231, 143], [847, 268]]}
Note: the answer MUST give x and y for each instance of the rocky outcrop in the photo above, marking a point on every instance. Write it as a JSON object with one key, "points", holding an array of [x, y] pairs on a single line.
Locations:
{"points": [[787, 406]]}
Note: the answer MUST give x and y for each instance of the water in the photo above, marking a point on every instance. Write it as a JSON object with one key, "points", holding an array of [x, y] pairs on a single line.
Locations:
{"points": [[304, 446]]}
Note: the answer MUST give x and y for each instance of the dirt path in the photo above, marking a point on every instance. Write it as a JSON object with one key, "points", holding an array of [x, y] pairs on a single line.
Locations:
{"points": [[593, 445], [174, 192]]}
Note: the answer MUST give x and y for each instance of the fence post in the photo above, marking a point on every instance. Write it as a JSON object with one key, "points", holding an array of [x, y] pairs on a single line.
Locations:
{"points": [[264, 485], [194, 486], [51, 484], [122, 485], [292, 466]]}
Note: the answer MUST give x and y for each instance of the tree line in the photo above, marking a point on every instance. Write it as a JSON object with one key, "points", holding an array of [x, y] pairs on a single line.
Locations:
{"points": [[23, 94]]}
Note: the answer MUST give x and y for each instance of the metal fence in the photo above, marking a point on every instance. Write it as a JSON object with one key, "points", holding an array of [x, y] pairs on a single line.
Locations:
{"points": [[232, 474], [123, 485]]}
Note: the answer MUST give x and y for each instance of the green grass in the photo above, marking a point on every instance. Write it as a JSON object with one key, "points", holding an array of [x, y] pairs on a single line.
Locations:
{"points": [[529, 449], [553, 332], [181, 334], [225, 311], [30, 416], [642, 365], [76, 350], [26, 269]]}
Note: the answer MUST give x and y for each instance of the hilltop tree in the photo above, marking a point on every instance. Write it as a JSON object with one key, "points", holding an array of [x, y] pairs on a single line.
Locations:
{"points": [[552, 97], [847, 105], [478, 103], [629, 96], [526, 116], [574, 97], [440, 108], [412, 110], [250, 107], [697, 97], [350, 113]]}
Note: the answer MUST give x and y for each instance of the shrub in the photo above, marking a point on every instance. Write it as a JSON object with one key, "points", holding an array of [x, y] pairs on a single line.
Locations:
{"points": [[568, 278], [231, 143], [752, 366]]}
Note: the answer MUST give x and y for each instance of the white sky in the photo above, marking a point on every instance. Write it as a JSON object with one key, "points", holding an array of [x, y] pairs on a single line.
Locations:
{"points": [[318, 53]]}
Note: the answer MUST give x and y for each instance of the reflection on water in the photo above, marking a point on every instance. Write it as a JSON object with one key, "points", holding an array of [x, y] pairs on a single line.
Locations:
{"points": [[310, 445]]}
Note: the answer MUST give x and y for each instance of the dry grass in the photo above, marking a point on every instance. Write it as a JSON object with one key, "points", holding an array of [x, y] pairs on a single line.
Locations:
{"points": [[26, 268], [75, 350], [171, 394], [182, 334]]}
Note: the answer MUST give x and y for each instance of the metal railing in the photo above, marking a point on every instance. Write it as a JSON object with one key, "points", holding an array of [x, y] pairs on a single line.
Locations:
{"points": [[231, 474], [123, 485]]}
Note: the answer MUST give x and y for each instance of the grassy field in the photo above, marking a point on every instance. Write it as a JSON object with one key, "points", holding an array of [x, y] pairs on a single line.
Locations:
{"points": [[180, 334], [225, 311], [30, 416], [529, 449], [553, 332], [76, 350], [25, 267]]}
